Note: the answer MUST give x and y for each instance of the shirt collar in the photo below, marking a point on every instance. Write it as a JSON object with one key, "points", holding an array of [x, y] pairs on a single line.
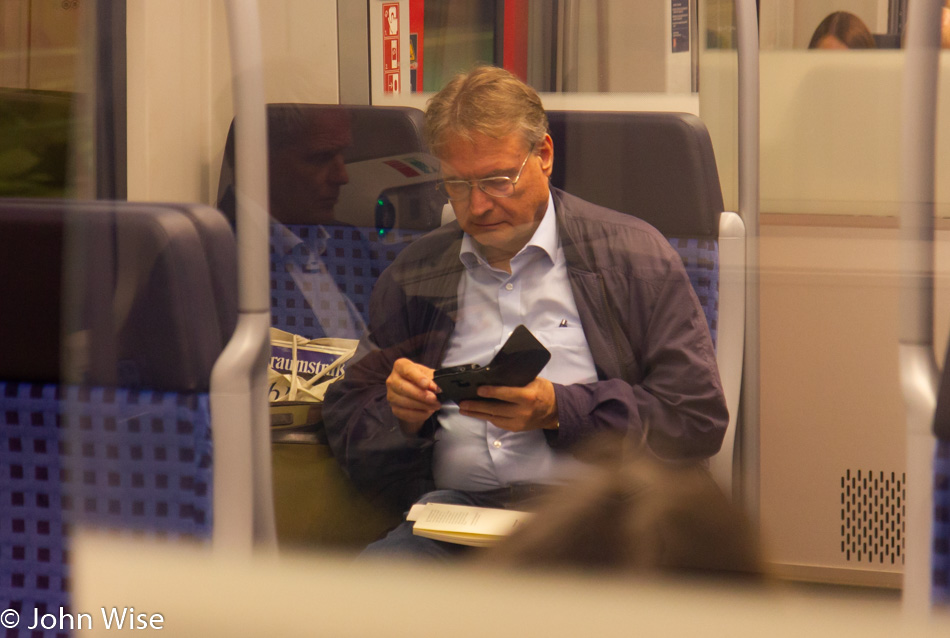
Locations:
{"points": [[544, 239], [284, 240]]}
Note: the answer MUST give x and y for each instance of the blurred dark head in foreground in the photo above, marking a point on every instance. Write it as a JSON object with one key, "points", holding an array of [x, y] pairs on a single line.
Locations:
{"points": [[637, 517]]}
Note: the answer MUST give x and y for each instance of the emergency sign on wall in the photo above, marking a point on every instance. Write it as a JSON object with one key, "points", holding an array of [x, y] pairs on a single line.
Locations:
{"points": [[390, 47]]}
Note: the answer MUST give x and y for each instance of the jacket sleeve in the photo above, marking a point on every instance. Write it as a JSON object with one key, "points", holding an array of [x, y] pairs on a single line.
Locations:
{"points": [[669, 394], [364, 435]]}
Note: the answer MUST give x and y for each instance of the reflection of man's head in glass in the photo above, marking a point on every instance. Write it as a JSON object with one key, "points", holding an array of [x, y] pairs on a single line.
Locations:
{"points": [[306, 162]]}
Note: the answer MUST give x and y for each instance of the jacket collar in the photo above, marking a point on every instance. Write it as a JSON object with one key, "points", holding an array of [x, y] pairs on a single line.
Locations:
{"points": [[576, 248]]}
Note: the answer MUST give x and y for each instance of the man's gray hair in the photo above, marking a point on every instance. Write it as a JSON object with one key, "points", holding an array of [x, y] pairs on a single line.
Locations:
{"points": [[485, 101]]}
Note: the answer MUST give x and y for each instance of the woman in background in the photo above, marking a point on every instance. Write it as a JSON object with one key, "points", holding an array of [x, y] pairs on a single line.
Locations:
{"points": [[842, 30]]}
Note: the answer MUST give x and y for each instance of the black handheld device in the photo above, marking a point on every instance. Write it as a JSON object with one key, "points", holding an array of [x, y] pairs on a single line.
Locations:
{"points": [[516, 365]]}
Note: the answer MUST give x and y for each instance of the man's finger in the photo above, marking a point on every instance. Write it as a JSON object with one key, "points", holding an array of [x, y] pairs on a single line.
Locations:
{"points": [[492, 408], [416, 374], [403, 388], [501, 393]]}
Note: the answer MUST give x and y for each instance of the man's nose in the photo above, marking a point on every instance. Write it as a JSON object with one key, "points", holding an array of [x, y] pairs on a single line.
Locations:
{"points": [[479, 202], [338, 174]]}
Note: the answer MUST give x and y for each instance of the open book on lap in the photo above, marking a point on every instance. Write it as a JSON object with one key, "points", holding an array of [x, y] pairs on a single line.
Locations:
{"points": [[464, 524]]}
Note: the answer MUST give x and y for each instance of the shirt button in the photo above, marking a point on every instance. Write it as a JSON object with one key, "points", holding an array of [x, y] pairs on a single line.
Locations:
{"points": [[496, 444], [509, 287]]}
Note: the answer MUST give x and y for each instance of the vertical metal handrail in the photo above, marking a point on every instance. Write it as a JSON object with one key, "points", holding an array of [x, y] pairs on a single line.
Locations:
{"points": [[243, 494], [918, 366], [747, 37]]}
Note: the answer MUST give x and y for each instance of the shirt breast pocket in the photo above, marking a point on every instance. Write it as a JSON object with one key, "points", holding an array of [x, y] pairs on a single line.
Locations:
{"points": [[571, 360]]}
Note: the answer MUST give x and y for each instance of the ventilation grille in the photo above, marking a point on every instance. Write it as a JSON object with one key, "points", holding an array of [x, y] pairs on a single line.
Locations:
{"points": [[872, 517]]}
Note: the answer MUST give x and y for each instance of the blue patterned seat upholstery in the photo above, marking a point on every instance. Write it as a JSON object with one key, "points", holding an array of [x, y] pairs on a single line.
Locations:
{"points": [[114, 458], [138, 460], [33, 571], [941, 488], [941, 524], [701, 259]]}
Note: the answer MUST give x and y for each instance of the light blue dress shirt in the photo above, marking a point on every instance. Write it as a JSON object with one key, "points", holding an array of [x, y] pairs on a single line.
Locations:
{"points": [[471, 454]]}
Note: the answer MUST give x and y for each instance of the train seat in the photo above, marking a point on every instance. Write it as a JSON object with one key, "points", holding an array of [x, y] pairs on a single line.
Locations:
{"points": [[114, 316], [661, 168]]}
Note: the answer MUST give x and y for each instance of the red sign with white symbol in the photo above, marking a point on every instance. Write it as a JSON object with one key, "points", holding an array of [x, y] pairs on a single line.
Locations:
{"points": [[391, 47]]}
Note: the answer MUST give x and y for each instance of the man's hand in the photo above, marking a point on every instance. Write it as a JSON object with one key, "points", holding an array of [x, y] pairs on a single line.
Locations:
{"points": [[532, 407], [412, 394]]}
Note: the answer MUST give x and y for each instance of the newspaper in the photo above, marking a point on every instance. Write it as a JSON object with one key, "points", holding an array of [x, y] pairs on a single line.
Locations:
{"points": [[299, 373]]}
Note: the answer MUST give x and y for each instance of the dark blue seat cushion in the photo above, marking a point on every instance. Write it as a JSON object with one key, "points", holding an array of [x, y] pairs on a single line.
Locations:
{"points": [[701, 259], [135, 461], [941, 524]]}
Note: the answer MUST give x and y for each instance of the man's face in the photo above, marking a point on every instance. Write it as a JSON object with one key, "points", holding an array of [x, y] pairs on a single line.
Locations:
{"points": [[307, 172], [500, 225]]}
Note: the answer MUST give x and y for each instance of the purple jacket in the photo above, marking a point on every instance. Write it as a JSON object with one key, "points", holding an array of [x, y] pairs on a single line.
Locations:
{"points": [[656, 368]]}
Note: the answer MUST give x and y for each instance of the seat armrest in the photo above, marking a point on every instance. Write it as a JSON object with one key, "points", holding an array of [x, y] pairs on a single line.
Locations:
{"points": [[730, 338]]}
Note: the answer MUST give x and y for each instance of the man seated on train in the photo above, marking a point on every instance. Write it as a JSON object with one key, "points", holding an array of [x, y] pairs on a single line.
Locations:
{"points": [[604, 292]]}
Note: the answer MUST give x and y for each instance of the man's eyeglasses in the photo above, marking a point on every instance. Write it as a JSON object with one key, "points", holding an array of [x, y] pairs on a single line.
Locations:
{"points": [[502, 186]]}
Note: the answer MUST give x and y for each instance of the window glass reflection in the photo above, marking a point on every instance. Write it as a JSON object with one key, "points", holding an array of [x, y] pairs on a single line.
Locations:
{"points": [[38, 79]]}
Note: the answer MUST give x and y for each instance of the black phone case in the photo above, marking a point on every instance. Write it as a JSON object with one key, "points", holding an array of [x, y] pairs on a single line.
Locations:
{"points": [[516, 365]]}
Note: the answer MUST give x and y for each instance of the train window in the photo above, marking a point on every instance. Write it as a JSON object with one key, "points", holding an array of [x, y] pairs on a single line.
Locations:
{"points": [[453, 37], [38, 80], [609, 46], [62, 99], [846, 25], [719, 25]]}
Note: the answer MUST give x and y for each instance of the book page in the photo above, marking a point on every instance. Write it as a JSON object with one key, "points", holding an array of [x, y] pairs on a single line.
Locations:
{"points": [[465, 519]]}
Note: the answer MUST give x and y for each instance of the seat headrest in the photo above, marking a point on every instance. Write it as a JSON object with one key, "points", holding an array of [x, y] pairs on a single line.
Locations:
{"points": [[659, 167], [369, 132], [942, 411], [113, 293]]}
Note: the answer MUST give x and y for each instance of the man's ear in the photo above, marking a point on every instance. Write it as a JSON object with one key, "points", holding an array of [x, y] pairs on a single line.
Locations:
{"points": [[546, 153]]}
